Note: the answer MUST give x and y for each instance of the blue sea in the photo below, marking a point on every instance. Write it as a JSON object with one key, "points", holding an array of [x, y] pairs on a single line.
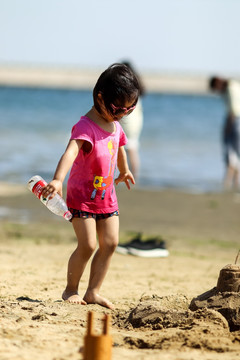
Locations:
{"points": [[180, 143]]}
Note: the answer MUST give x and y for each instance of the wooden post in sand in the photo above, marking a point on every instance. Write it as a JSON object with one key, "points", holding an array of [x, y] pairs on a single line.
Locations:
{"points": [[97, 347]]}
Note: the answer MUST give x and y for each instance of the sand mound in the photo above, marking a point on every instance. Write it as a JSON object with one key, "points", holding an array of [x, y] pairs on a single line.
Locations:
{"points": [[225, 297], [226, 303], [167, 323]]}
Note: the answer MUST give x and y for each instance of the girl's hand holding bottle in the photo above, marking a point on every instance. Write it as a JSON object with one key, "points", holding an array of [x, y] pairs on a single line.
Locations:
{"points": [[43, 191], [53, 188]]}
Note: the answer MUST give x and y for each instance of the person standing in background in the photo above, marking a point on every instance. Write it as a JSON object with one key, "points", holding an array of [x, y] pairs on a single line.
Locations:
{"points": [[132, 125], [230, 89]]}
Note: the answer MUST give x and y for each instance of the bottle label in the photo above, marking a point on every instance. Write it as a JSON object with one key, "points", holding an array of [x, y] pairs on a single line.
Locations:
{"points": [[37, 188]]}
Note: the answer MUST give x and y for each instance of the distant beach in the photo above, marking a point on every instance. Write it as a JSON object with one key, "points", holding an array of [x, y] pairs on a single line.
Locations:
{"points": [[84, 79]]}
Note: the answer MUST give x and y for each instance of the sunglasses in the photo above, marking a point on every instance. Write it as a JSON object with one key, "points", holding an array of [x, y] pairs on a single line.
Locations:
{"points": [[118, 110]]}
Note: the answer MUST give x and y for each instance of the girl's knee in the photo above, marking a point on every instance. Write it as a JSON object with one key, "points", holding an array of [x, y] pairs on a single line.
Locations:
{"points": [[90, 248], [87, 249], [109, 245], [112, 248], [115, 243]]}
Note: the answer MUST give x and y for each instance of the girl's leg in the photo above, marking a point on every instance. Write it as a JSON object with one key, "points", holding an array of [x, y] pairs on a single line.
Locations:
{"points": [[85, 230], [107, 230]]}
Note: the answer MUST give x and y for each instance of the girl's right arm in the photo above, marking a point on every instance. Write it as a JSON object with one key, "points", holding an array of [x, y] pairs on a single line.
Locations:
{"points": [[64, 165]]}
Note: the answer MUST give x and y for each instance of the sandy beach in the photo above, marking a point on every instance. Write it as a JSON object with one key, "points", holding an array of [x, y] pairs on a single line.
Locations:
{"points": [[202, 236]]}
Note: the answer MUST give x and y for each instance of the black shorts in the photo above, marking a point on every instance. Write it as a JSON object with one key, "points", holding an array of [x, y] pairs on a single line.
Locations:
{"points": [[85, 215]]}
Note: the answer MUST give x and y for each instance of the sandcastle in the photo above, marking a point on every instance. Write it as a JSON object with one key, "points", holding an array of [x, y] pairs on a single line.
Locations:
{"points": [[225, 297]]}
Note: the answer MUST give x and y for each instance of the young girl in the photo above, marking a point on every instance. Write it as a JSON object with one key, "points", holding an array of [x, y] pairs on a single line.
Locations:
{"points": [[95, 148]]}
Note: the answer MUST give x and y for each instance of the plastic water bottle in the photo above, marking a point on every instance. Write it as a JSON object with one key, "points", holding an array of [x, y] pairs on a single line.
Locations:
{"points": [[57, 205]]}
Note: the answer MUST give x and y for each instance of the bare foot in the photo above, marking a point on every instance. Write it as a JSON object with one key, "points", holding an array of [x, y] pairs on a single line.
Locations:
{"points": [[73, 298], [92, 298]]}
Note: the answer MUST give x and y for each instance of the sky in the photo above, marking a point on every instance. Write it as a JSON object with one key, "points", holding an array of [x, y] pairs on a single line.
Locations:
{"points": [[195, 37]]}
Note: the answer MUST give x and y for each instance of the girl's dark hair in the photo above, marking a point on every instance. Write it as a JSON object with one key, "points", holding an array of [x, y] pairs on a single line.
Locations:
{"points": [[142, 88], [117, 84]]}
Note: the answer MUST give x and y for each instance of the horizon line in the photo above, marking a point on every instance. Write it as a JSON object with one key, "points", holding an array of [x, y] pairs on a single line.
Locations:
{"points": [[77, 78]]}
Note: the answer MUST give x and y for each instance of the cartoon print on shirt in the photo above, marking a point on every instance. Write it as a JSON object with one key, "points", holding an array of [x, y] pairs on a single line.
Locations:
{"points": [[101, 183]]}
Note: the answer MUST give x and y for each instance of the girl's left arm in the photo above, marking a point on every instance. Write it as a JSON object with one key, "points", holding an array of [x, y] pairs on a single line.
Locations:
{"points": [[124, 173]]}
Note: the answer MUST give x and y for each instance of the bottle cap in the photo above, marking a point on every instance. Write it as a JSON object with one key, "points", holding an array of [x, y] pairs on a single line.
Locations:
{"points": [[35, 179], [67, 215]]}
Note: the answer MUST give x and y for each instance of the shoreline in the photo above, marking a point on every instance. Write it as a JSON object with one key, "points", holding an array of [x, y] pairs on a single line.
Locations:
{"points": [[85, 79], [170, 213], [13, 188]]}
